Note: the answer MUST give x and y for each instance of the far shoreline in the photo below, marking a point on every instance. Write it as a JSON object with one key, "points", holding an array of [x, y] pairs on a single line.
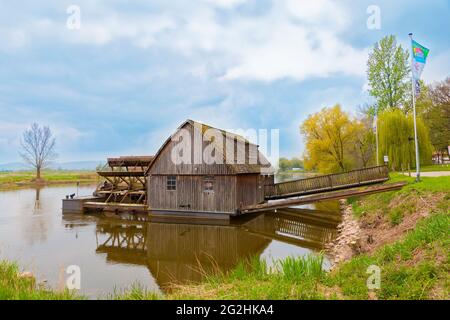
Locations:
{"points": [[16, 180]]}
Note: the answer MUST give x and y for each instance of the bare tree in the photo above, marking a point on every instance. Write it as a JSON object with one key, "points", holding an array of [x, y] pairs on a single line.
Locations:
{"points": [[38, 146]]}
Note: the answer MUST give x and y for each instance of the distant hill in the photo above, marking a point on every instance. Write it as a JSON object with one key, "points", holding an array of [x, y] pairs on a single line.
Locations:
{"points": [[72, 165], [13, 166]]}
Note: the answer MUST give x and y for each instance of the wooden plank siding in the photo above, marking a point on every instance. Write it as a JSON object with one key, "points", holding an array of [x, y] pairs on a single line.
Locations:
{"points": [[247, 189], [190, 196]]}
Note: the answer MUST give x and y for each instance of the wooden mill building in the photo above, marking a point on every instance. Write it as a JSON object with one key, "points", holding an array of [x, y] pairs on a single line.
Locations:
{"points": [[199, 170], [219, 175]]}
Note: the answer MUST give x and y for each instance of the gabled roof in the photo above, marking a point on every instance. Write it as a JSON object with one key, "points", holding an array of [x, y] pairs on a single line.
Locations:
{"points": [[236, 168]]}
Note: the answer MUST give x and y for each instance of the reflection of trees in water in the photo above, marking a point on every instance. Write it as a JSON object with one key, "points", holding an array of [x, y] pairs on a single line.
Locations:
{"points": [[36, 225], [332, 206], [37, 199], [181, 252]]}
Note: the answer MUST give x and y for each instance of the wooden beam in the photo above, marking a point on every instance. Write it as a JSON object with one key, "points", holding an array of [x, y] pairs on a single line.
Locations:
{"points": [[315, 191], [124, 196], [120, 173]]}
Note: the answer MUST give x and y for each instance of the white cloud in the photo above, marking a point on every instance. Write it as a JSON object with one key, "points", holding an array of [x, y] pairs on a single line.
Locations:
{"points": [[274, 45], [68, 135], [225, 3], [296, 39], [318, 12], [12, 39], [437, 67], [298, 53]]}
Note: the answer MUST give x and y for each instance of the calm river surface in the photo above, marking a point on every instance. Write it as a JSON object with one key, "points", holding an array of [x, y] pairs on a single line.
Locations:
{"points": [[114, 252]]}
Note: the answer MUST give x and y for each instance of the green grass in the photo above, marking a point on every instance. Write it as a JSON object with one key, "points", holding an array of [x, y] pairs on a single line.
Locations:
{"points": [[26, 178], [396, 216], [401, 278], [403, 275], [291, 278], [15, 287], [135, 292], [415, 267], [429, 241], [303, 278], [296, 269], [430, 184], [435, 167], [382, 202]]}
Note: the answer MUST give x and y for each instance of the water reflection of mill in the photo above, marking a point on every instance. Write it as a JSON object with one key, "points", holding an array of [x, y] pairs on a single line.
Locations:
{"points": [[175, 252]]}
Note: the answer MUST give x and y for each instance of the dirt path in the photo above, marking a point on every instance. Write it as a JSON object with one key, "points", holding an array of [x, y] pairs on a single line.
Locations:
{"points": [[431, 174]]}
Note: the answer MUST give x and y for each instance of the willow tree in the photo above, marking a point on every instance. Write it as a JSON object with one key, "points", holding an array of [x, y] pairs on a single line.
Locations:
{"points": [[365, 142], [330, 140], [396, 140]]}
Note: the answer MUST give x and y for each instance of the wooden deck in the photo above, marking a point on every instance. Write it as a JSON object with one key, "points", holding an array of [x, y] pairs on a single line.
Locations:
{"points": [[324, 183], [113, 206]]}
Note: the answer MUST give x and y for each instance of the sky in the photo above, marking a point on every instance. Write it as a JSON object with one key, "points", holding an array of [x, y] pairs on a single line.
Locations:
{"points": [[134, 71]]}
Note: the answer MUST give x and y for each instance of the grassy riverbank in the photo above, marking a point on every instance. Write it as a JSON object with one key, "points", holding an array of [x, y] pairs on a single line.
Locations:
{"points": [[405, 233], [412, 250], [435, 167], [21, 179], [409, 232], [21, 286]]}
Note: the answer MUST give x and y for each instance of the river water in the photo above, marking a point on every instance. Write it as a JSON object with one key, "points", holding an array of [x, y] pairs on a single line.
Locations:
{"points": [[113, 252]]}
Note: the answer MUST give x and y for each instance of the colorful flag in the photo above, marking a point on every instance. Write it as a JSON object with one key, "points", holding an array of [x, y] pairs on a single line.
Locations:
{"points": [[420, 54]]}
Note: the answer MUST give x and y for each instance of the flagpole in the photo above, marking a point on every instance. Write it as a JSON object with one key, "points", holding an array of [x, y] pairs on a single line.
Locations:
{"points": [[376, 135], [414, 113]]}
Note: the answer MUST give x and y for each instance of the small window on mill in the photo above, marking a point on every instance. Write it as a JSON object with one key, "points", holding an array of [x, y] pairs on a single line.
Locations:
{"points": [[208, 184], [171, 183]]}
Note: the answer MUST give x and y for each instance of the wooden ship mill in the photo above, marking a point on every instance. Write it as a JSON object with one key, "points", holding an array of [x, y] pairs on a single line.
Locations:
{"points": [[204, 172]]}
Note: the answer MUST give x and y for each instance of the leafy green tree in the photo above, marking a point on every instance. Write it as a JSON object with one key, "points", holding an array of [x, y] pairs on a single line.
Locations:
{"points": [[296, 163], [434, 107], [388, 74], [284, 164], [396, 140]]}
